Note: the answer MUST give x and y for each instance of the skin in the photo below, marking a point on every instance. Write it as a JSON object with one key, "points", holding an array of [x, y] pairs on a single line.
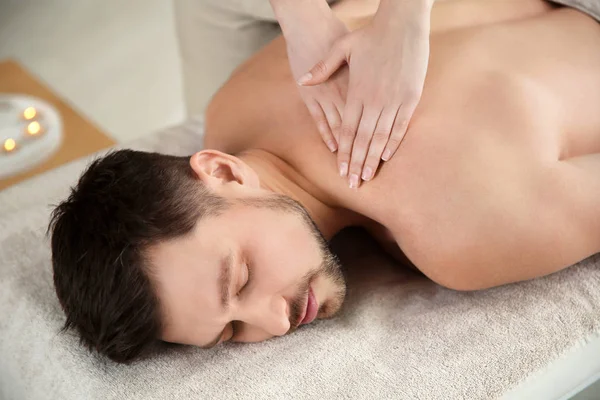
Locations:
{"points": [[387, 61], [495, 182], [386, 76], [269, 277]]}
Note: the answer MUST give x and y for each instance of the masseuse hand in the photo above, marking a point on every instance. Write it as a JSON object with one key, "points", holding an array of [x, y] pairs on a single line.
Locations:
{"points": [[388, 62], [311, 29]]}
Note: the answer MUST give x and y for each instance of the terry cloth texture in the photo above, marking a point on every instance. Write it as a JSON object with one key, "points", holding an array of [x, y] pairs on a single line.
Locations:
{"points": [[398, 335]]}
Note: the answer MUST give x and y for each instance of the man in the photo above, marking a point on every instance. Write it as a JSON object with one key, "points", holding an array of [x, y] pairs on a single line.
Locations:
{"points": [[502, 153]]}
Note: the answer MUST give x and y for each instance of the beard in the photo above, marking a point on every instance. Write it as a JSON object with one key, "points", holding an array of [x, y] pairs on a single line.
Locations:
{"points": [[330, 267]]}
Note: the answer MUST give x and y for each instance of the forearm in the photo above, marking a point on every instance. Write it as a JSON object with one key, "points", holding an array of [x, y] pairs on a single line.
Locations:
{"points": [[297, 13]]}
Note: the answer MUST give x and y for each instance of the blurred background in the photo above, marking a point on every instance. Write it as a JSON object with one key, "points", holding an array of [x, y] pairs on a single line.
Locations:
{"points": [[111, 68], [115, 62]]}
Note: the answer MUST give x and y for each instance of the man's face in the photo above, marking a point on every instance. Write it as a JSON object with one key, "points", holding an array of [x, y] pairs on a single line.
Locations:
{"points": [[273, 253]]}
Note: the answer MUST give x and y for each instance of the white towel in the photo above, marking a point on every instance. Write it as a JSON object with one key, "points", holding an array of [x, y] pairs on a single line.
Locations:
{"points": [[398, 335]]}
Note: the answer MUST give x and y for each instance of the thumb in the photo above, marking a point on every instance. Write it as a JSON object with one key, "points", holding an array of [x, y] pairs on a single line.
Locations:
{"points": [[324, 68]]}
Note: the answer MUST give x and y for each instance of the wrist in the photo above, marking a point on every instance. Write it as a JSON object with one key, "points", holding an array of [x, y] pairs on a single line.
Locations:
{"points": [[291, 13], [295, 16]]}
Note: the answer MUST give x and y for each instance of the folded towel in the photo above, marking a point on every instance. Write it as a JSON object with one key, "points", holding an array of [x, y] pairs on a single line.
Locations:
{"points": [[398, 335]]}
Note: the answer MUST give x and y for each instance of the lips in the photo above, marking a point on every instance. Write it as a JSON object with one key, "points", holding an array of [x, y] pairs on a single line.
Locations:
{"points": [[312, 307]]}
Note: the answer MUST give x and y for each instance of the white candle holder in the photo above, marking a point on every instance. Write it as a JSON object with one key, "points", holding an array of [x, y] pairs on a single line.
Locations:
{"points": [[30, 132]]}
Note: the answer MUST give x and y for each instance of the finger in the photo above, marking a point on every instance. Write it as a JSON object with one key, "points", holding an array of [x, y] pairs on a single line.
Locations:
{"points": [[340, 109], [326, 67], [350, 119], [320, 119], [362, 141], [334, 120], [378, 142], [398, 131]]}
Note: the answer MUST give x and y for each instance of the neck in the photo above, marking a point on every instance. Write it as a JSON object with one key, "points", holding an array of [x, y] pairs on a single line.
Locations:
{"points": [[279, 177]]}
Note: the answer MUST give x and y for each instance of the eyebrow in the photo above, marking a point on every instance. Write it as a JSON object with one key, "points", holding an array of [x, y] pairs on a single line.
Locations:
{"points": [[225, 280], [223, 283]]}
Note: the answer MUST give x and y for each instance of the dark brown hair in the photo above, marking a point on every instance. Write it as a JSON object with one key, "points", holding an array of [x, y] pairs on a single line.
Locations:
{"points": [[123, 203]]}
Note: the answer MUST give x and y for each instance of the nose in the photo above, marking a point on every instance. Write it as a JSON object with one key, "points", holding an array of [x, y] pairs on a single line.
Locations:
{"points": [[264, 319]]}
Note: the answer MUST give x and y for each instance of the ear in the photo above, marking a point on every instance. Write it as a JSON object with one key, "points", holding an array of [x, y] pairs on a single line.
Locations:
{"points": [[216, 168]]}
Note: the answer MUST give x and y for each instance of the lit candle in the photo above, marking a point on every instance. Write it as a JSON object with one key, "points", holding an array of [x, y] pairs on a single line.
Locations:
{"points": [[29, 113], [10, 144], [33, 128]]}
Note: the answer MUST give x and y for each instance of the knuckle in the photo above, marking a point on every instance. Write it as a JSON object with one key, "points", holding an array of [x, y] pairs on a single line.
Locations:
{"points": [[335, 127], [358, 157], [401, 125], [381, 135], [362, 141], [319, 119], [347, 132], [323, 129], [320, 67], [335, 124], [365, 131]]}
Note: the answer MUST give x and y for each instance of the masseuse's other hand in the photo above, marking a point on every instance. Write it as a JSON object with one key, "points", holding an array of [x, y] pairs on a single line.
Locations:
{"points": [[310, 32], [388, 62]]}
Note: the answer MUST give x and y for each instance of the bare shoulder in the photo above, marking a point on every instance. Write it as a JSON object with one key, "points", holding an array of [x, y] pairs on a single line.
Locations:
{"points": [[555, 225], [259, 100]]}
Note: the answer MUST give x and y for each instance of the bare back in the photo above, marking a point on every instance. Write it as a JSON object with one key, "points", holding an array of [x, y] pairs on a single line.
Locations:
{"points": [[499, 166]]}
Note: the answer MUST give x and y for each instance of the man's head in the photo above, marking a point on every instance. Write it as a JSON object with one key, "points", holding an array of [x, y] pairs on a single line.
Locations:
{"points": [[141, 245]]}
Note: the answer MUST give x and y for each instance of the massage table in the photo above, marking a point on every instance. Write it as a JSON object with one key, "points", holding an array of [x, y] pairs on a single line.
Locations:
{"points": [[398, 335]]}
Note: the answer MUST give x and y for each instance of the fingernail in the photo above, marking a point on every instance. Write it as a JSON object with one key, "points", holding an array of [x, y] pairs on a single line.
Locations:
{"points": [[343, 169], [367, 173], [386, 155], [353, 181], [305, 78], [331, 145]]}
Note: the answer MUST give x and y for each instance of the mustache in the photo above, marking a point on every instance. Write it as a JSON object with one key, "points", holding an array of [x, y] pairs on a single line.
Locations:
{"points": [[330, 268], [297, 305]]}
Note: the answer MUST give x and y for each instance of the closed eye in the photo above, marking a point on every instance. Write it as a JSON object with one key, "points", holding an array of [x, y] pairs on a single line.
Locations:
{"points": [[248, 280]]}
